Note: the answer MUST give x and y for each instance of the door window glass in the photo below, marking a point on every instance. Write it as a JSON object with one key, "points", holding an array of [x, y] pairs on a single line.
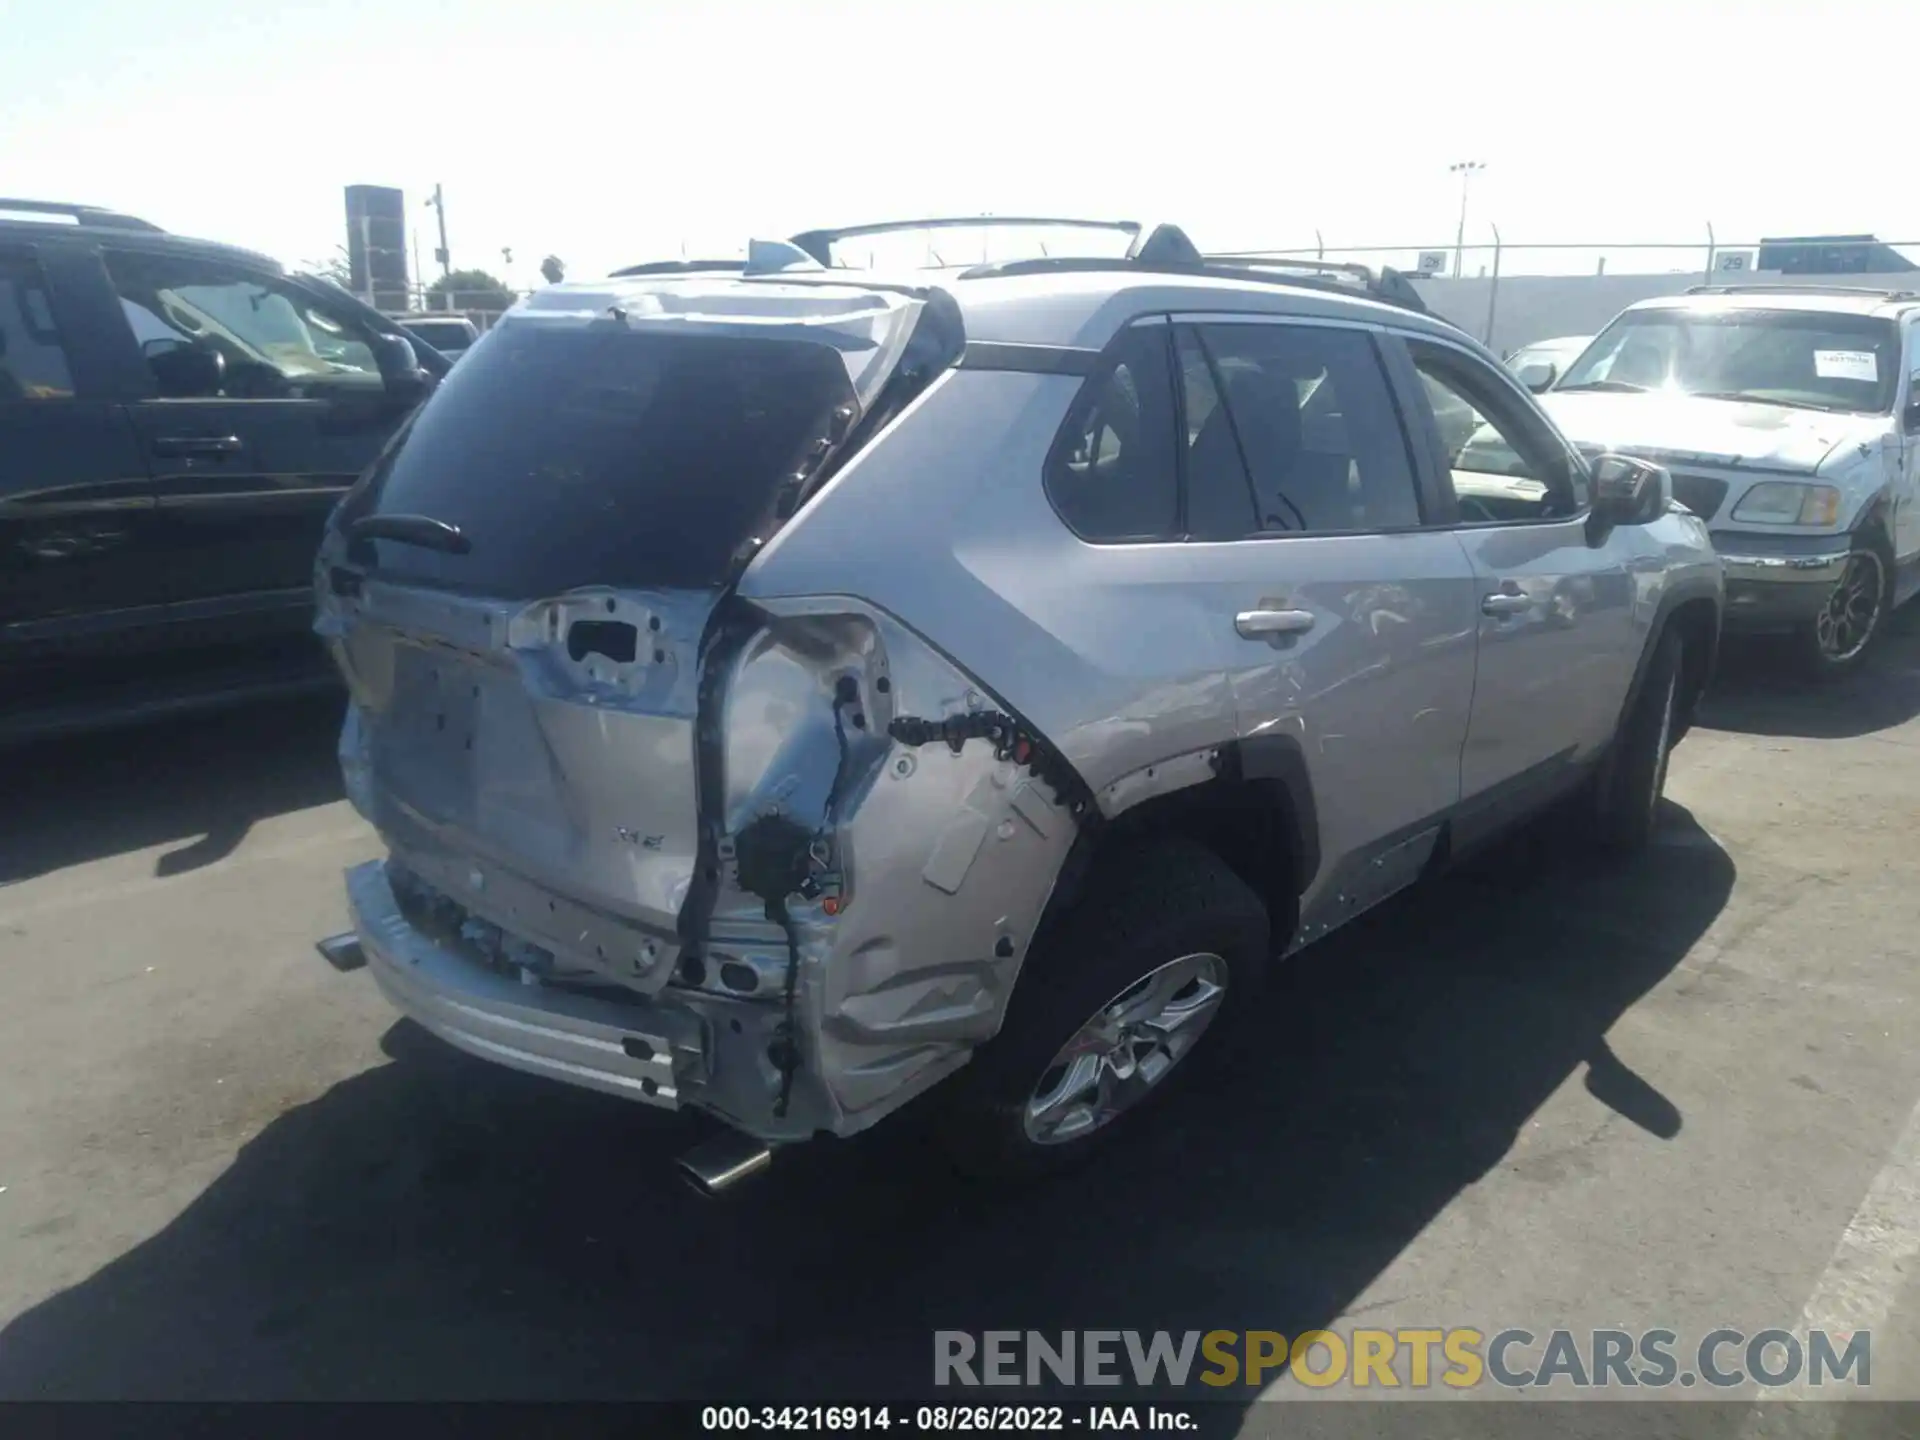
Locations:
{"points": [[33, 360], [1220, 499], [1299, 418], [1503, 463], [273, 339]]}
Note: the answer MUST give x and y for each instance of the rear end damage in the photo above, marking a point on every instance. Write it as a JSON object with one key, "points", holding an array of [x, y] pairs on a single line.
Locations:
{"points": [[778, 862], [755, 900]]}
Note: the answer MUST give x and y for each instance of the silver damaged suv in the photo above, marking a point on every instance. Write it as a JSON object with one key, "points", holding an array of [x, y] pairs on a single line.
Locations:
{"points": [[784, 689]]}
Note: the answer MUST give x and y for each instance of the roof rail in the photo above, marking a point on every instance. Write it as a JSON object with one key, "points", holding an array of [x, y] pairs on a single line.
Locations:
{"points": [[1883, 292], [1162, 248], [1390, 287], [93, 215]]}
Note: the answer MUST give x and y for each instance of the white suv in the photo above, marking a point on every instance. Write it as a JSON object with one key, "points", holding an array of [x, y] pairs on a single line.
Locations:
{"points": [[1789, 416]]}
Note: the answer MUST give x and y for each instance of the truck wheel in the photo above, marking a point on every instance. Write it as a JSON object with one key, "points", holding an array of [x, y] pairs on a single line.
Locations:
{"points": [[1627, 794], [1854, 613], [1144, 981]]}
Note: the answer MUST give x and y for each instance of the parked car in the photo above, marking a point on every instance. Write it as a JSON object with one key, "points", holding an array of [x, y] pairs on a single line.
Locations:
{"points": [[1538, 365], [967, 680], [176, 419], [451, 335], [1790, 417]]}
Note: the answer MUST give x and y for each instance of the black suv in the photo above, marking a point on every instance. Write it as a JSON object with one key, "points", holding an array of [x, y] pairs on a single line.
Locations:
{"points": [[176, 420]]}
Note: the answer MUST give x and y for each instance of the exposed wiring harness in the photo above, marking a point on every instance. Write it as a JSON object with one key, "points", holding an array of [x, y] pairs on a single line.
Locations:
{"points": [[1010, 740], [778, 857]]}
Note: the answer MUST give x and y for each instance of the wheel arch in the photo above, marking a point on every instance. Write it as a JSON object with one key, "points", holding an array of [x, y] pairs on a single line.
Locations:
{"points": [[1252, 804], [1693, 611]]}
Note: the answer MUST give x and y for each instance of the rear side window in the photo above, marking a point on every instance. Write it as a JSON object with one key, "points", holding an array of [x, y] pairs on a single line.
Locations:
{"points": [[33, 361], [600, 455], [1113, 474]]}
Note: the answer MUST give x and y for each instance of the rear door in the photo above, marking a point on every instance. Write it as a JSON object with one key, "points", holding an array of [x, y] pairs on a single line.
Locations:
{"points": [[246, 470], [80, 569], [1556, 614], [1352, 614]]}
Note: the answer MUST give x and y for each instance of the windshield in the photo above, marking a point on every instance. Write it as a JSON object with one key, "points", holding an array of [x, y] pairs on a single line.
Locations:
{"points": [[596, 455], [1782, 357]]}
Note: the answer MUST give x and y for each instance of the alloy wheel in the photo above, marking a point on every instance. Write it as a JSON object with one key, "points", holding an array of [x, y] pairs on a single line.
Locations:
{"points": [[1125, 1049], [1847, 621]]}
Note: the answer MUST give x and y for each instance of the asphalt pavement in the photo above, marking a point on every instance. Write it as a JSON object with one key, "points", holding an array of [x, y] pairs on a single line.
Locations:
{"points": [[1541, 1092]]}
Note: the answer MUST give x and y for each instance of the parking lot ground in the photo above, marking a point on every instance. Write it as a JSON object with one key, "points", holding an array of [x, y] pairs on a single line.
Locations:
{"points": [[1538, 1093]]}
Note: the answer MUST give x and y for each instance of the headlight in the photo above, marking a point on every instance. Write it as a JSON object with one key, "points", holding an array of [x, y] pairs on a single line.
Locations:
{"points": [[1779, 502]]}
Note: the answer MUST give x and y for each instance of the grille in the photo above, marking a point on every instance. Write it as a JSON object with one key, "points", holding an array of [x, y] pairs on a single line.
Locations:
{"points": [[1701, 494]]}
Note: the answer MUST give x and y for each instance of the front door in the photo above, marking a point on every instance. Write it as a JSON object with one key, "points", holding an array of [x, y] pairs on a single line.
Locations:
{"points": [[251, 442], [1558, 625], [79, 564]]}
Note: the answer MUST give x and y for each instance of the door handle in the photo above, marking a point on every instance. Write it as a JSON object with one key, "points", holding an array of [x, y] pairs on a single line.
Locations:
{"points": [[1505, 602], [1254, 624], [178, 445]]}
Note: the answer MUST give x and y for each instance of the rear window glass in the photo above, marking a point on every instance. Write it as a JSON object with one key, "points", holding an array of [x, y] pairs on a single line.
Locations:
{"points": [[599, 455]]}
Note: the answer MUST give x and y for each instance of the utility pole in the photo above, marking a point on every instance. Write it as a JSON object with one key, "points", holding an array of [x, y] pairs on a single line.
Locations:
{"points": [[1465, 169], [443, 255]]}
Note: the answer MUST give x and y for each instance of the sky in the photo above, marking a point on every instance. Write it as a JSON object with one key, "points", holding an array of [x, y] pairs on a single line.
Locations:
{"points": [[612, 131]]}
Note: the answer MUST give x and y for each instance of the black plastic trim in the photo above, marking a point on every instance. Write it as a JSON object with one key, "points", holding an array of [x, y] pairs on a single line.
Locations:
{"points": [[1029, 359], [1678, 593], [1280, 758]]}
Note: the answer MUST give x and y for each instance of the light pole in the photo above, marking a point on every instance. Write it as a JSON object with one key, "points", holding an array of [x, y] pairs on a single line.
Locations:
{"points": [[443, 255], [1465, 170]]}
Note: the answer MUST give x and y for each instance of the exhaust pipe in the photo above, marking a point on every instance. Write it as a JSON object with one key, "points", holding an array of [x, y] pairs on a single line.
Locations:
{"points": [[342, 952], [722, 1161]]}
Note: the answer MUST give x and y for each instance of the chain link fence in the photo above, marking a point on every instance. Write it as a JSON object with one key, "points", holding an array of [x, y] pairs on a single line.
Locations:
{"points": [[1707, 258]]}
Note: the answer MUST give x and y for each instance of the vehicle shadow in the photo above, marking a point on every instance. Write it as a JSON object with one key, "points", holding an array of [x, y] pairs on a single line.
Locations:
{"points": [[438, 1228], [201, 781], [1758, 692]]}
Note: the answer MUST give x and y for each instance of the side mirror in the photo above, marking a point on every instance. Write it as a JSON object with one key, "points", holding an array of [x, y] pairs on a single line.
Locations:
{"points": [[183, 371], [1627, 491], [1537, 375], [400, 368], [1913, 404]]}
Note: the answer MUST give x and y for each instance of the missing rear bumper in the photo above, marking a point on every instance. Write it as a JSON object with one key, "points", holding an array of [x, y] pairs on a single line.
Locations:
{"points": [[637, 1052]]}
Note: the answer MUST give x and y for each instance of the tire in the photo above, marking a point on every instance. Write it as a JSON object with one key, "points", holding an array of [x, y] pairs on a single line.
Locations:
{"points": [[1855, 613], [1147, 911], [1627, 796]]}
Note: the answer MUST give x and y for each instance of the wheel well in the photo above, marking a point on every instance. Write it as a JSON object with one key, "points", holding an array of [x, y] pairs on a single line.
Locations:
{"points": [[1697, 623], [1874, 527], [1248, 823]]}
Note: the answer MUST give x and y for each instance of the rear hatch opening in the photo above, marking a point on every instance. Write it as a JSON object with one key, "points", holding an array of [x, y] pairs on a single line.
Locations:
{"points": [[534, 731]]}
